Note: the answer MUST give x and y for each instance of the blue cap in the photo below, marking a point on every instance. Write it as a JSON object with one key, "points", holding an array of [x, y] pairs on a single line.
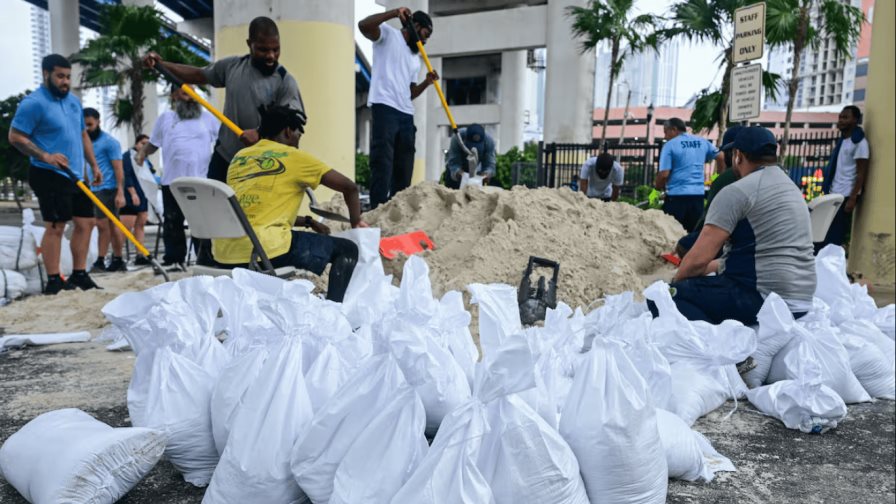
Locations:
{"points": [[731, 134], [753, 140]]}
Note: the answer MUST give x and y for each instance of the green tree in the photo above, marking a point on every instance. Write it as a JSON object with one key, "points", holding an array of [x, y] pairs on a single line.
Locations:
{"points": [[712, 21], [799, 24], [614, 22], [504, 162], [115, 57], [362, 170], [13, 164]]}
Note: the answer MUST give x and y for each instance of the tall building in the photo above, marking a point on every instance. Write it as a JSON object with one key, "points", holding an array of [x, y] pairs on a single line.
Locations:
{"points": [[649, 75], [827, 81], [863, 53], [40, 42]]}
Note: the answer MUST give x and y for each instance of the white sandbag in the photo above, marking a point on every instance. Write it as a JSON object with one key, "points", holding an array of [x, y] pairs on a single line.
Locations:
{"points": [[499, 313], [177, 403], [776, 325], [804, 402], [12, 284], [698, 390], [453, 321], [18, 250], [689, 455], [885, 320], [230, 389], [396, 438], [20, 340], [833, 360], [370, 292], [35, 278], [495, 448], [832, 285], [327, 374], [647, 358], [316, 457], [69, 456], [276, 412], [244, 324], [612, 428], [873, 365]]}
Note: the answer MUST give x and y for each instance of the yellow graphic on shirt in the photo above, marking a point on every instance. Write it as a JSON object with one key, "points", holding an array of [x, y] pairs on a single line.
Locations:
{"points": [[268, 163]]}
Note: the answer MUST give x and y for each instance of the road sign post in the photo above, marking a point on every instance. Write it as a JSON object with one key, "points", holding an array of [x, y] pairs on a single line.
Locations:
{"points": [[746, 92], [745, 95], [749, 33]]}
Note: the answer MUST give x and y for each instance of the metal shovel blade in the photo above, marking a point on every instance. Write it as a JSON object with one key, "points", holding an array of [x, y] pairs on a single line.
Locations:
{"points": [[315, 209]]}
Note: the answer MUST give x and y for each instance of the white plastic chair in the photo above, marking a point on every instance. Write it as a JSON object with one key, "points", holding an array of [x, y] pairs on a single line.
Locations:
{"points": [[821, 214], [212, 209]]}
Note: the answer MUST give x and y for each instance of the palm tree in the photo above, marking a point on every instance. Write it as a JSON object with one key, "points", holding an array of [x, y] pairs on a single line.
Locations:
{"points": [[13, 164], [613, 21], [712, 21], [114, 58], [803, 23]]}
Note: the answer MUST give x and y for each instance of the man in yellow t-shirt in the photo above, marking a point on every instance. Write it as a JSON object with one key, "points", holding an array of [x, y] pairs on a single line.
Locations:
{"points": [[269, 179]]}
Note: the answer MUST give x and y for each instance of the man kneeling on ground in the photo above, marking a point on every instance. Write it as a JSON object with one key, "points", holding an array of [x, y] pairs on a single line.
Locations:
{"points": [[763, 223], [269, 179]]}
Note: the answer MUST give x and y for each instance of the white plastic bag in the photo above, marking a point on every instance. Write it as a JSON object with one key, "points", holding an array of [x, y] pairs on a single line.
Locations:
{"points": [[689, 455], [69, 456], [18, 249], [495, 448], [370, 292], [804, 402], [316, 457], [12, 284], [385, 454], [274, 414], [832, 285], [20, 340], [499, 314], [885, 320], [872, 357], [612, 428], [453, 322], [775, 331], [833, 360]]}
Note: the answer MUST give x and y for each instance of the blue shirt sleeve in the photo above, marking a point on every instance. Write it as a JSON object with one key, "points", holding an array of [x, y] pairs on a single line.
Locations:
{"points": [[114, 148], [711, 151], [666, 157], [27, 116]]}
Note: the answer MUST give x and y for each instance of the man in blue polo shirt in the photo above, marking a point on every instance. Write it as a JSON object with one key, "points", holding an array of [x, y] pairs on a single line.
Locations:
{"points": [[48, 127], [110, 192], [681, 172]]}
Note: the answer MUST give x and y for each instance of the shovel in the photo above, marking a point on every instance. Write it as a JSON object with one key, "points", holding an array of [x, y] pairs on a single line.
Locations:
{"points": [[326, 214], [114, 220], [472, 156]]}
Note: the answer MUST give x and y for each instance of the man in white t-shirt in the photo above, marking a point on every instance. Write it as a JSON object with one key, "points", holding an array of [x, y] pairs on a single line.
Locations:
{"points": [[392, 87], [847, 172], [186, 135], [601, 177]]}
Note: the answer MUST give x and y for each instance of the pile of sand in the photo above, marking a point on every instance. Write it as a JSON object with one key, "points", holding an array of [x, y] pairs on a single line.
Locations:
{"points": [[488, 236], [75, 310]]}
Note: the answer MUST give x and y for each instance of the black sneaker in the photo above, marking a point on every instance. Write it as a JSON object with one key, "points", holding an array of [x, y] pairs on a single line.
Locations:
{"points": [[82, 281], [99, 266], [117, 264], [141, 261], [54, 285]]}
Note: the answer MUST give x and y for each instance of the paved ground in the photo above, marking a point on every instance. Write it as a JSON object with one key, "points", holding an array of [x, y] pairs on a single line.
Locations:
{"points": [[854, 463]]}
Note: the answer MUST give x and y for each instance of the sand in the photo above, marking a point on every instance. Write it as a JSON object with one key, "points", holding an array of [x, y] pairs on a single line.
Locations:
{"points": [[488, 236], [75, 310]]}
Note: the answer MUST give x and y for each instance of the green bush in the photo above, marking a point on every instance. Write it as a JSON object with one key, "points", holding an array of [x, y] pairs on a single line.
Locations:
{"points": [[362, 170], [504, 162]]}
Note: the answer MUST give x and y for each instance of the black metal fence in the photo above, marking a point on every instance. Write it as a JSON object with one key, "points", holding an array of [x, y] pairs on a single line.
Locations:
{"points": [[559, 164]]}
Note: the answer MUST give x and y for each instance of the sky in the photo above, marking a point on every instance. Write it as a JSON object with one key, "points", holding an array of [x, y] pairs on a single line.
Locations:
{"points": [[697, 65]]}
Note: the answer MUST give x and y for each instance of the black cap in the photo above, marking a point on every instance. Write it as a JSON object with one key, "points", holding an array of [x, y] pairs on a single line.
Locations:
{"points": [[754, 140], [731, 134]]}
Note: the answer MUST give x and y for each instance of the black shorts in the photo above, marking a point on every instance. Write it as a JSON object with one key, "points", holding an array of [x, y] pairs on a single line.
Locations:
{"points": [[59, 198], [107, 198]]}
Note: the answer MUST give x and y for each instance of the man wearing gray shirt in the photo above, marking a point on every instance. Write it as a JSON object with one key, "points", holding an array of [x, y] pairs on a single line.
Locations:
{"points": [[250, 81], [601, 177], [763, 223]]}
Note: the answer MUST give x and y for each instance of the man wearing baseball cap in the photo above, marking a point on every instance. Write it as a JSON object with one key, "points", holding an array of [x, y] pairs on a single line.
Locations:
{"points": [[763, 224]]}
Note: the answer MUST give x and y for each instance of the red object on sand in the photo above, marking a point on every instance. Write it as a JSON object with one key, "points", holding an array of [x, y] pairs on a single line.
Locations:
{"points": [[671, 258], [408, 244]]}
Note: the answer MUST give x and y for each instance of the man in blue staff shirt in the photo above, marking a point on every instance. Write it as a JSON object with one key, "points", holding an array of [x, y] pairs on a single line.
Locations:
{"points": [[681, 172], [110, 192], [48, 127]]}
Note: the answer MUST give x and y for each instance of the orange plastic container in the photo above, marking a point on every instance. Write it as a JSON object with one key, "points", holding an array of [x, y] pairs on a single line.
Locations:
{"points": [[408, 244]]}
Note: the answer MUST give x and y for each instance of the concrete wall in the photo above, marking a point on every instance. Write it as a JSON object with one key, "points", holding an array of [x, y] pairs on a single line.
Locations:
{"points": [[872, 251]]}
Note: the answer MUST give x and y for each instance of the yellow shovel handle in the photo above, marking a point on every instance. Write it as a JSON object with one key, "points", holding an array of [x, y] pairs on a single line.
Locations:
{"points": [[99, 204], [438, 87], [215, 112]]}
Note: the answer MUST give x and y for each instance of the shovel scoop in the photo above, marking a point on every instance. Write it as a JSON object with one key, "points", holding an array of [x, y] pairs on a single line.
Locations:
{"points": [[317, 210]]}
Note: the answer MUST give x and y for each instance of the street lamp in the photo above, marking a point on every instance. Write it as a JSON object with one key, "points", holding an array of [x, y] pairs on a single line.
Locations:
{"points": [[647, 150], [650, 111]]}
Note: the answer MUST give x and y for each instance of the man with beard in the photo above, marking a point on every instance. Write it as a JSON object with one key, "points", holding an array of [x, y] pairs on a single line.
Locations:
{"points": [[249, 82], [185, 135], [392, 87], [48, 127], [110, 192]]}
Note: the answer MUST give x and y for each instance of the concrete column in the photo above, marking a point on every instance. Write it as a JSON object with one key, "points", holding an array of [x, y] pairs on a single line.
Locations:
{"points": [[363, 126], [150, 96], [318, 49], [65, 37], [872, 249], [512, 89], [434, 137], [569, 91]]}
